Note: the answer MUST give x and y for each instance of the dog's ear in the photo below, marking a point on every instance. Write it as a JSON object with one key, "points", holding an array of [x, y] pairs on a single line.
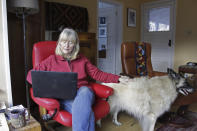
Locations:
{"points": [[172, 73]]}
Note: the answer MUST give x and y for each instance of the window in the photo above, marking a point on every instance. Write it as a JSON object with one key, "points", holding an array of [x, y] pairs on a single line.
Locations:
{"points": [[159, 19]]}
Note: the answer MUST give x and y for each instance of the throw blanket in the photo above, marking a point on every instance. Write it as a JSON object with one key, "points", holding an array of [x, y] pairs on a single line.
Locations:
{"points": [[140, 58]]}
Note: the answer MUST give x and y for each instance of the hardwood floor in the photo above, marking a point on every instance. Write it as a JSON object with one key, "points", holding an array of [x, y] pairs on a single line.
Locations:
{"points": [[128, 123]]}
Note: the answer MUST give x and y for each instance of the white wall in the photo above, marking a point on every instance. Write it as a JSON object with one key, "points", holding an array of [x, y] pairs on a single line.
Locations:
{"points": [[5, 82]]}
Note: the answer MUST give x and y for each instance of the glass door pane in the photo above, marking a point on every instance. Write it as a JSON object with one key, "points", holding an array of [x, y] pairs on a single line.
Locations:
{"points": [[159, 19]]}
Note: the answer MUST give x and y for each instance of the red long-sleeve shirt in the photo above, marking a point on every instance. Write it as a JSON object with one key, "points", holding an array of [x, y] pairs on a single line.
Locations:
{"points": [[81, 65]]}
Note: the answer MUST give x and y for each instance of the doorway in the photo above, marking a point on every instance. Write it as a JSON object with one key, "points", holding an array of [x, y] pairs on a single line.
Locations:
{"points": [[109, 36], [158, 28]]}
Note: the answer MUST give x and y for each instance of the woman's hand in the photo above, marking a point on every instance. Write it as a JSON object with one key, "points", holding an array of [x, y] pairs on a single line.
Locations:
{"points": [[123, 79]]}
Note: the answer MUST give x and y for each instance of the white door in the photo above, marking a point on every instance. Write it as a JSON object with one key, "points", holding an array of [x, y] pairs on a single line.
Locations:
{"points": [[107, 39], [158, 19]]}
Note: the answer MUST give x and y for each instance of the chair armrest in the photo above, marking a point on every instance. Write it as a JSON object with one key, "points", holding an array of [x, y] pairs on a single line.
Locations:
{"points": [[157, 73], [130, 76], [101, 90], [48, 103]]}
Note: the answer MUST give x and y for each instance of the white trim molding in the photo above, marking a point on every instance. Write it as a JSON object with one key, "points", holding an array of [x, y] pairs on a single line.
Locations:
{"points": [[5, 64]]}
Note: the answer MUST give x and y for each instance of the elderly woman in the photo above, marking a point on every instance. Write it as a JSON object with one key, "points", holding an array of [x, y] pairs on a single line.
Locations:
{"points": [[68, 59]]}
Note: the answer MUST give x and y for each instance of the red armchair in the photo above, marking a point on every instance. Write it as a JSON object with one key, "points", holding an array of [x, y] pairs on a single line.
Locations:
{"points": [[42, 50]]}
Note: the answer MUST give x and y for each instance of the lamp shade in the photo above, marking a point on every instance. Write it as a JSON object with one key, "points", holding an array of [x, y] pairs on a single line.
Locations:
{"points": [[23, 6]]}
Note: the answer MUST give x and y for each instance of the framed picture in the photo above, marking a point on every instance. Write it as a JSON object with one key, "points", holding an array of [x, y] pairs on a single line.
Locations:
{"points": [[131, 17], [102, 21], [102, 31]]}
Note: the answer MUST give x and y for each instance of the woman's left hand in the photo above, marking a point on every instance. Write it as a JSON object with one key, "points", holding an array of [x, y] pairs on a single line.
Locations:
{"points": [[123, 79]]}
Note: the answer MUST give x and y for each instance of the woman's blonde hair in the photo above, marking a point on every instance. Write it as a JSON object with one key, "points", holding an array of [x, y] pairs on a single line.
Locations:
{"points": [[68, 35]]}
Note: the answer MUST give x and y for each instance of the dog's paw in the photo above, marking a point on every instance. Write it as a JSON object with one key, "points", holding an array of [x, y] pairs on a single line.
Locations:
{"points": [[98, 123], [117, 123]]}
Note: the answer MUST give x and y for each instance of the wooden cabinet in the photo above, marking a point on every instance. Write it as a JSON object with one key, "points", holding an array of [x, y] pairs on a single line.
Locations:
{"points": [[88, 45], [190, 70]]}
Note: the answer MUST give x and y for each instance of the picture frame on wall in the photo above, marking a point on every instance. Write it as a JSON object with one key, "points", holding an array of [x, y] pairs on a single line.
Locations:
{"points": [[131, 17], [102, 31], [102, 21]]}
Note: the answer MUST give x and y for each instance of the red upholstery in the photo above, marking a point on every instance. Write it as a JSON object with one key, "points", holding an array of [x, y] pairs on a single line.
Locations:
{"points": [[42, 50]]}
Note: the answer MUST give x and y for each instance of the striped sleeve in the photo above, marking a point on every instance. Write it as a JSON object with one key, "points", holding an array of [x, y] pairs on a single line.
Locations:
{"points": [[99, 75]]}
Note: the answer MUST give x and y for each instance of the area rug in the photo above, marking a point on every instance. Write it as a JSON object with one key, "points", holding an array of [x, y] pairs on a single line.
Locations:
{"points": [[189, 119]]}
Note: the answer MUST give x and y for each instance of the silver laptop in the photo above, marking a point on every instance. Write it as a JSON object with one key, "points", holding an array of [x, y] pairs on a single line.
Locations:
{"points": [[58, 85]]}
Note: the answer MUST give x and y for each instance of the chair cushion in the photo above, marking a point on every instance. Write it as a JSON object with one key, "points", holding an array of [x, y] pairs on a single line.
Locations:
{"points": [[100, 109]]}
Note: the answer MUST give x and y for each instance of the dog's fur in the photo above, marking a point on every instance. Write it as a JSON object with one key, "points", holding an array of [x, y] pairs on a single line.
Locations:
{"points": [[146, 98]]}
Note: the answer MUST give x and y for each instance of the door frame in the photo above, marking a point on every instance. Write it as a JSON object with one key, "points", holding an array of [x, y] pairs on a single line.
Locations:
{"points": [[119, 5], [5, 68], [174, 4]]}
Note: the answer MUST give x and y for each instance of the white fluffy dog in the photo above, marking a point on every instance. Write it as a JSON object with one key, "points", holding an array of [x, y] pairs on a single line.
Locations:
{"points": [[146, 98]]}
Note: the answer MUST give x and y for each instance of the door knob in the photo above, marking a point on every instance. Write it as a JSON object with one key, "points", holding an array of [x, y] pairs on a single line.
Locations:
{"points": [[169, 43]]}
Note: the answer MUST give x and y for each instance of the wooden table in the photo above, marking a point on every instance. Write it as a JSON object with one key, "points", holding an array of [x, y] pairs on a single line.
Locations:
{"points": [[191, 98], [31, 125], [191, 70], [188, 69]]}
